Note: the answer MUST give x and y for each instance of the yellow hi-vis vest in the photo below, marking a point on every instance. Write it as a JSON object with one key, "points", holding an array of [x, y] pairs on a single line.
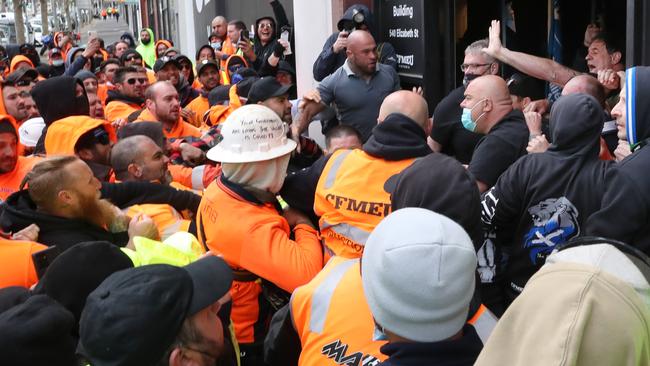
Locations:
{"points": [[352, 198]]}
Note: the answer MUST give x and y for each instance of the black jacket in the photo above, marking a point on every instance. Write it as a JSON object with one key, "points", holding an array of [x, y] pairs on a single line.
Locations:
{"points": [[500, 148], [461, 352], [449, 132], [544, 199], [115, 96], [20, 211], [397, 138], [328, 61], [625, 209], [263, 52], [55, 99]]}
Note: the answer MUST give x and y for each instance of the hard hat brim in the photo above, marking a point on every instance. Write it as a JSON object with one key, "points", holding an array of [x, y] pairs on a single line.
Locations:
{"points": [[221, 155]]}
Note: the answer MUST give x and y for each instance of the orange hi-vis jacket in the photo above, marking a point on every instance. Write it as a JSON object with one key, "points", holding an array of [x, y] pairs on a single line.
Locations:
{"points": [[228, 48], [181, 128], [16, 265], [333, 319], [331, 315], [63, 134], [199, 105], [117, 109], [351, 199], [10, 182], [253, 238]]}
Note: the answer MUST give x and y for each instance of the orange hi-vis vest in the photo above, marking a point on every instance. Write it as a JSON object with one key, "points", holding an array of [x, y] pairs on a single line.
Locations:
{"points": [[334, 323], [10, 181], [253, 238], [16, 265], [332, 318], [351, 199]]}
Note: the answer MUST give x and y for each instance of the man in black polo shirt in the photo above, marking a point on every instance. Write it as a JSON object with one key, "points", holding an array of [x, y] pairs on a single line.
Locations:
{"points": [[487, 109], [448, 135]]}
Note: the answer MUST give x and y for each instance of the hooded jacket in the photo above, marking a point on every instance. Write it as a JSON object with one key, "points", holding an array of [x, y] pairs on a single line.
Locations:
{"points": [[18, 59], [396, 138], [63, 135], [20, 211], [161, 41], [575, 312], [328, 61], [544, 199], [10, 181], [264, 51], [625, 209], [119, 105], [55, 99], [148, 51]]}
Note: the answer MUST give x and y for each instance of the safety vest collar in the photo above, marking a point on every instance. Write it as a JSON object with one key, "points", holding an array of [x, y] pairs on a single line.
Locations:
{"points": [[239, 192]]}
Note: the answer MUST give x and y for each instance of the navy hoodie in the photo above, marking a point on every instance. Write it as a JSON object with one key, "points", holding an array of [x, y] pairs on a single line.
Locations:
{"points": [[460, 352], [625, 209], [545, 199]]}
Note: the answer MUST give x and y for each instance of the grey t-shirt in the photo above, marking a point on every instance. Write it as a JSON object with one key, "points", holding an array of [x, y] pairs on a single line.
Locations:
{"points": [[356, 100]]}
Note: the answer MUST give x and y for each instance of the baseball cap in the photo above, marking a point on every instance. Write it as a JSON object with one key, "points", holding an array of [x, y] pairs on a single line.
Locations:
{"points": [[30, 131], [219, 94], [20, 73], [265, 88], [205, 63], [436, 258], [135, 314], [163, 61]]}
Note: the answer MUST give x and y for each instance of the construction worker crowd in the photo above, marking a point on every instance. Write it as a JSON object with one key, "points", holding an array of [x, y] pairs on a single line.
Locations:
{"points": [[164, 209]]}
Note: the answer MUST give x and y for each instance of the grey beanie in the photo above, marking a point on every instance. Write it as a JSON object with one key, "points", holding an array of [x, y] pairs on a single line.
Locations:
{"points": [[418, 272], [84, 74]]}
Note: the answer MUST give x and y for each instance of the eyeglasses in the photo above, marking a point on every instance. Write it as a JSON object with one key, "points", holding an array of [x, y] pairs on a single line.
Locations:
{"points": [[101, 136], [465, 67], [265, 25], [186, 66], [133, 80]]}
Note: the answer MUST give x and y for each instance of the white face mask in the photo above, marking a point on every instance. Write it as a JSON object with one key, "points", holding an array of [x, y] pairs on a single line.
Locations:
{"points": [[57, 63]]}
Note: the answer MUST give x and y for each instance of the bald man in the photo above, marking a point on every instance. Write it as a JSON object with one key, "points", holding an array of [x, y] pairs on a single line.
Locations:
{"points": [[350, 189], [487, 110], [357, 88], [220, 27]]}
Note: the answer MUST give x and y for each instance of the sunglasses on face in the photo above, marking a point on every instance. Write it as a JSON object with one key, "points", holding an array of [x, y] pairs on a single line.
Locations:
{"points": [[133, 58], [186, 66], [132, 81]]}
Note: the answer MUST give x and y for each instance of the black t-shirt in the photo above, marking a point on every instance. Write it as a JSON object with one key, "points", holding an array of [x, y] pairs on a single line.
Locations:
{"points": [[500, 148], [449, 132]]}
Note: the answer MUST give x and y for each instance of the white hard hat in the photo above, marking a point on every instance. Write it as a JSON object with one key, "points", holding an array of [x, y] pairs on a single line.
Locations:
{"points": [[252, 133], [30, 131]]}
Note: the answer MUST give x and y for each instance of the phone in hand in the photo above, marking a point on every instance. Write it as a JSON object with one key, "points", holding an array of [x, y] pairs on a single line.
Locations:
{"points": [[44, 258], [286, 32]]}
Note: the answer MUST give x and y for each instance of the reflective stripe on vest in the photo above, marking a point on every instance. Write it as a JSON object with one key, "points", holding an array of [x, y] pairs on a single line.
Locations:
{"points": [[483, 322], [349, 231], [336, 165], [323, 296], [352, 196]]}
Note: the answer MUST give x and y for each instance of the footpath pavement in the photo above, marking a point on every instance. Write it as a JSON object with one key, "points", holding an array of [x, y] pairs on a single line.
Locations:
{"points": [[109, 30]]}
